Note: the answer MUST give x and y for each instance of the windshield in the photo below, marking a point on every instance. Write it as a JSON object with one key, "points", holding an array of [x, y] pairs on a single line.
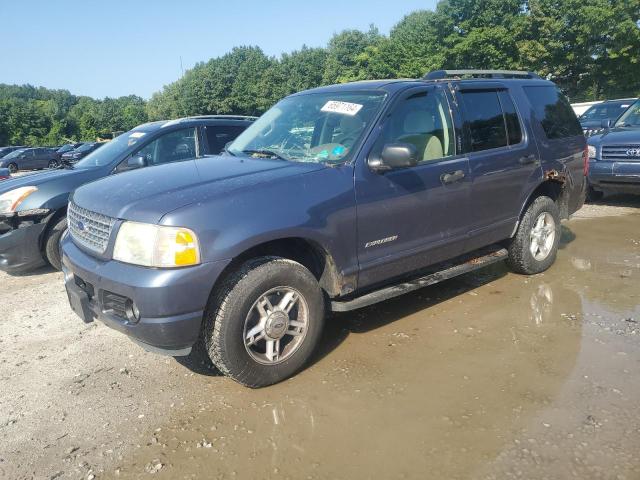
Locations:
{"points": [[85, 147], [13, 154], [107, 153], [605, 111], [65, 148], [630, 118], [313, 127]]}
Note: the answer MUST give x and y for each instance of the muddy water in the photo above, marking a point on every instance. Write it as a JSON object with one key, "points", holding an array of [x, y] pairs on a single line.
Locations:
{"points": [[491, 375]]}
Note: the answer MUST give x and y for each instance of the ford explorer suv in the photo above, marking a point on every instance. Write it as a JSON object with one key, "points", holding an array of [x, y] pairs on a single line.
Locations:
{"points": [[600, 116], [614, 156], [334, 199], [33, 208]]}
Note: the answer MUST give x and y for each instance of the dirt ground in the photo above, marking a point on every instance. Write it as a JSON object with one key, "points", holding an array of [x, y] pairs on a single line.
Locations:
{"points": [[488, 376]]}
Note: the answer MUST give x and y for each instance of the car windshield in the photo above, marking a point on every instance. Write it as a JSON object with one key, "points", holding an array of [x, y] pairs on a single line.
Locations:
{"points": [[65, 148], [107, 153], [312, 127], [604, 111], [630, 118], [85, 147], [14, 154]]}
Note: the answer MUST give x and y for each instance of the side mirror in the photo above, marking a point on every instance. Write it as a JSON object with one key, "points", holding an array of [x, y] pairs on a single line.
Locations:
{"points": [[606, 123], [137, 161], [393, 156]]}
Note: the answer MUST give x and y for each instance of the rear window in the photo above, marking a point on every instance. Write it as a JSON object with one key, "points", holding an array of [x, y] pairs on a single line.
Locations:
{"points": [[553, 111], [483, 116], [491, 118]]}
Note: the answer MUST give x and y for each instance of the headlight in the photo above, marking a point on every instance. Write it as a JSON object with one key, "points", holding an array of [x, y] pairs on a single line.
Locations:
{"points": [[12, 199], [592, 151], [156, 246]]}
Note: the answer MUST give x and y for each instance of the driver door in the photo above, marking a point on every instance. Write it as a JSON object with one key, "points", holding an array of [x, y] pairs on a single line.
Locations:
{"points": [[413, 217]]}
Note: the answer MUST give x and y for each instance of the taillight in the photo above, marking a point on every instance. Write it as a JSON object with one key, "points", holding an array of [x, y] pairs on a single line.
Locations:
{"points": [[585, 160]]}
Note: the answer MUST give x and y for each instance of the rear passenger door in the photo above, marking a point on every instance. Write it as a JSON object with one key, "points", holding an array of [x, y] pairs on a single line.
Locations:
{"points": [[502, 158], [28, 161]]}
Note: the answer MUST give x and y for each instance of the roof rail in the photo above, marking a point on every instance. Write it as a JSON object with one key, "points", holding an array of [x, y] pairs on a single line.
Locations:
{"points": [[442, 74], [224, 117]]}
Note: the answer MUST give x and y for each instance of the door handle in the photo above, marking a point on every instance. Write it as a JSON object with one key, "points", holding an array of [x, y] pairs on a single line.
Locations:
{"points": [[452, 177], [527, 159]]}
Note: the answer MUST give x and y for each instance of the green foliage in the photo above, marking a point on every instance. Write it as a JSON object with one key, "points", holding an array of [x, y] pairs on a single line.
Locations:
{"points": [[591, 48], [38, 116]]}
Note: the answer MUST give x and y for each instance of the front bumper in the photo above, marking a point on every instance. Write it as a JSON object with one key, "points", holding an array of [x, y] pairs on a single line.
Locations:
{"points": [[171, 302], [20, 241], [621, 177]]}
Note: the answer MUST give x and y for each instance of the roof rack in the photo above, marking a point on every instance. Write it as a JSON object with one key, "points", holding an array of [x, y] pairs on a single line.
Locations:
{"points": [[442, 74], [224, 117]]}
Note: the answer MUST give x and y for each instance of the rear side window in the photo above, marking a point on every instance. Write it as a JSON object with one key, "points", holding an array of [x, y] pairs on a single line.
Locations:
{"points": [[218, 137], [553, 111], [484, 119]]}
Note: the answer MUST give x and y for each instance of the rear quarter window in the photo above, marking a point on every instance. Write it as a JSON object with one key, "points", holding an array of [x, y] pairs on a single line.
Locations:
{"points": [[553, 111]]}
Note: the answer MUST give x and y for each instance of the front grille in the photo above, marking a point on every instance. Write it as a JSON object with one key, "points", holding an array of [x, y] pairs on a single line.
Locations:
{"points": [[90, 229], [621, 153]]}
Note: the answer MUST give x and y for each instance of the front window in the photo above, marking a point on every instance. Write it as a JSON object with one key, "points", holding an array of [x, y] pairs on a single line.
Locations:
{"points": [[312, 127], [172, 147], [14, 154], [630, 118], [113, 149]]}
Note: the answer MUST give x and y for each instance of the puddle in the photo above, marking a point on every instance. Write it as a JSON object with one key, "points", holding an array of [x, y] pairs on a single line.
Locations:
{"points": [[490, 375]]}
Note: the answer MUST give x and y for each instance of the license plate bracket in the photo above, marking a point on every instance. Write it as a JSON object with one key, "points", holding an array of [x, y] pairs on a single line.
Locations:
{"points": [[79, 301]]}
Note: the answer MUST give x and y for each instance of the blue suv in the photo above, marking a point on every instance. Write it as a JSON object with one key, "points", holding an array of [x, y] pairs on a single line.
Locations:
{"points": [[334, 199], [614, 156]]}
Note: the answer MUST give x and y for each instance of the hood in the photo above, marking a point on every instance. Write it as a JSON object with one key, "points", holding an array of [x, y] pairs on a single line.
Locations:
{"points": [[147, 194], [618, 135], [54, 186]]}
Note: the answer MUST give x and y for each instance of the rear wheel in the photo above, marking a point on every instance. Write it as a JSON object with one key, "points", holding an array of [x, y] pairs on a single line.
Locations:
{"points": [[535, 245], [13, 168], [265, 321], [52, 244]]}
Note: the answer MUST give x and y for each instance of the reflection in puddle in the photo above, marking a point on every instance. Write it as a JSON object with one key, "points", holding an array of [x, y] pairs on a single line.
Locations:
{"points": [[478, 375]]}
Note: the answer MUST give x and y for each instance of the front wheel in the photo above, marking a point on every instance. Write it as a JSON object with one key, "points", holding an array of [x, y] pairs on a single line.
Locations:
{"points": [[53, 164], [13, 168], [265, 321], [52, 243], [535, 245]]}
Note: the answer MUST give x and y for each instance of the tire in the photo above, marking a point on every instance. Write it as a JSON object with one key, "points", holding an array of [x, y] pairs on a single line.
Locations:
{"points": [[594, 195], [235, 310], [545, 233], [53, 164], [52, 243], [13, 168]]}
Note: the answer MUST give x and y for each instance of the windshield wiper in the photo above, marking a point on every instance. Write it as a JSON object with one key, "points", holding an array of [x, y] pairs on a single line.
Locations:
{"points": [[265, 153]]}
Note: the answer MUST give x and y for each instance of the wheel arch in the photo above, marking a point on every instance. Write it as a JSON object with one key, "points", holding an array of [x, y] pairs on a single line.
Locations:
{"points": [[553, 186], [305, 251]]}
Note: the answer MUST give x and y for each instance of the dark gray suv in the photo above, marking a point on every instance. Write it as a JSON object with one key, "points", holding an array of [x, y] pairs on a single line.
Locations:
{"points": [[334, 199], [33, 208]]}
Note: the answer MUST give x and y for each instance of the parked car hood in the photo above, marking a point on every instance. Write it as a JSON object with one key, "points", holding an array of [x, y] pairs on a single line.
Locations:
{"points": [[36, 178], [53, 186], [617, 135], [147, 194]]}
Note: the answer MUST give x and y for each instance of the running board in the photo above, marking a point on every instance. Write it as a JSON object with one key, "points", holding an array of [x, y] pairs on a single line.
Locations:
{"points": [[459, 266]]}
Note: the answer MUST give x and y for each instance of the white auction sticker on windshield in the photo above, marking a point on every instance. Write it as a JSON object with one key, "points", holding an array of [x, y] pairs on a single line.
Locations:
{"points": [[345, 108]]}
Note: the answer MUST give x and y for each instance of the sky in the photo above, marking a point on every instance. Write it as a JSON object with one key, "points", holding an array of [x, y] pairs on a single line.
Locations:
{"points": [[117, 47]]}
